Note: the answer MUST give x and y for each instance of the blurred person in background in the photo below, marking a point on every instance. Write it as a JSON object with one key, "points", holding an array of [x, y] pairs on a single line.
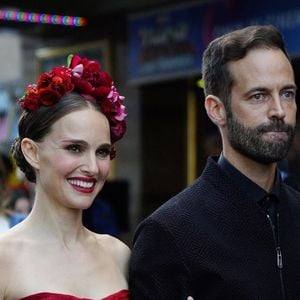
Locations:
{"points": [[70, 122], [21, 202], [8, 217]]}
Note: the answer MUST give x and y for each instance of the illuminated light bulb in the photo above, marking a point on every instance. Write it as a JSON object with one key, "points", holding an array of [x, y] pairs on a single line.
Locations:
{"points": [[20, 16]]}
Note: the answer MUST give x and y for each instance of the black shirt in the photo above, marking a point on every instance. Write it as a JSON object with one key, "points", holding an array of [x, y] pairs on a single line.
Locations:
{"points": [[268, 201]]}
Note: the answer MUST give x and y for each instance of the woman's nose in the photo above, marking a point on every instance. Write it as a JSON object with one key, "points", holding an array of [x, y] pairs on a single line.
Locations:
{"points": [[90, 165]]}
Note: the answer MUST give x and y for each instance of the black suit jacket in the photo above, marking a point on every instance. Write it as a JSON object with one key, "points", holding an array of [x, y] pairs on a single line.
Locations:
{"points": [[212, 242]]}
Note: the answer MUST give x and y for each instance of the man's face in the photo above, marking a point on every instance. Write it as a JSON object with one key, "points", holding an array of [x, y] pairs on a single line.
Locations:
{"points": [[262, 116]]}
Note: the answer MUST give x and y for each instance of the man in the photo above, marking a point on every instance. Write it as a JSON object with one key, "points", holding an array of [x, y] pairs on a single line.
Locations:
{"points": [[234, 233]]}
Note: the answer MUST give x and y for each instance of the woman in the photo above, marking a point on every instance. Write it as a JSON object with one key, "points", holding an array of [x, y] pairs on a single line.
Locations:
{"points": [[70, 121]]}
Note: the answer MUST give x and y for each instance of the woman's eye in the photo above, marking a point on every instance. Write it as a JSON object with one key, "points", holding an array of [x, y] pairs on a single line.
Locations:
{"points": [[103, 152], [74, 148]]}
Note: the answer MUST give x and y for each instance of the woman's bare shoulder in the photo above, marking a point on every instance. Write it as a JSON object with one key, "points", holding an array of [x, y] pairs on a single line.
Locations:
{"points": [[117, 249], [11, 245]]}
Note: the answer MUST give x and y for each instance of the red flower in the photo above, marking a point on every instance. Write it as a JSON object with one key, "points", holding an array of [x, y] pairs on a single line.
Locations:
{"points": [[92, 74], [44, 80], [82, 86], [101, 92], [76, 59], [91, 66], [49, 97], [30, 100], [63, 72], [106, 106], [117, 131], [106, 79], [30, 103]]}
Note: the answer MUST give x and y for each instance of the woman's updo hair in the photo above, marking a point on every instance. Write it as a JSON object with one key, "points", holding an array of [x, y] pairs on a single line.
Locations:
{"points": [[36, 124]]}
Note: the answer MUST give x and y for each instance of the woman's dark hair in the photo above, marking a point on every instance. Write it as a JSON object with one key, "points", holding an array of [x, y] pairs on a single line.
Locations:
{"points": [[230, 47], [36, 124]]}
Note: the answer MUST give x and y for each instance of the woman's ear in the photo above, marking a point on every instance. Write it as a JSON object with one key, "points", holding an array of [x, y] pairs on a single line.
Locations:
{"points": [[30, 152], [215, 110]]}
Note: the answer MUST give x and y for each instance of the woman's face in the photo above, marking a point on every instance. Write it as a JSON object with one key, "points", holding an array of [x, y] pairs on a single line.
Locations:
{"points": [[74, 159]]}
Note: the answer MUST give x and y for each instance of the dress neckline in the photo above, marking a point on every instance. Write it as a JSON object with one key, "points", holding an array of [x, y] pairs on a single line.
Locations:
{"points": [[120, 295]]}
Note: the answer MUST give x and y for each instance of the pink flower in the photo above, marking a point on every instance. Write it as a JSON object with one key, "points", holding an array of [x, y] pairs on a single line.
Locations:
{"points": [[77, 70], [113, 95], [120, 116]]}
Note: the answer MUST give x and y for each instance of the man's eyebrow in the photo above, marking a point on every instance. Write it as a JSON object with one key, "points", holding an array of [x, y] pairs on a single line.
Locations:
{"points": [[255, 89], [290, 86], [264, 89]]}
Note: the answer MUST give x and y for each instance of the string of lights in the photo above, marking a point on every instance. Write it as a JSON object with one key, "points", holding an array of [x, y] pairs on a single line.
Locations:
{"points": [[40, 18]]}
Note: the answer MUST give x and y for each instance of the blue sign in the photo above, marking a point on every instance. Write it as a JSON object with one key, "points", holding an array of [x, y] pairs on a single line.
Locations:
{"points": [[165, 44], [170, 43]]}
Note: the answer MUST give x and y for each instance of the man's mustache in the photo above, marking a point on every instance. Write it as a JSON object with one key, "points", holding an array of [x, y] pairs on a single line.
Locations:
{"points": [[275, 126]]}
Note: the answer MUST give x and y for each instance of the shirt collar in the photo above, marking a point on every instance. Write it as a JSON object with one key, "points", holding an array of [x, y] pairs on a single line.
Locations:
{"points": [[254, 191]]}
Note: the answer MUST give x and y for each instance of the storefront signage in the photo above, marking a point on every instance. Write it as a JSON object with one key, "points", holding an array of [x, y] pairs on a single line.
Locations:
{"points": [[169, 44], [165, 44]]}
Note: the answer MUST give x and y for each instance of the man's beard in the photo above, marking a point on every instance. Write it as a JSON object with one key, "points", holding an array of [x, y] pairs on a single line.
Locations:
{"points": [[251, 143]]}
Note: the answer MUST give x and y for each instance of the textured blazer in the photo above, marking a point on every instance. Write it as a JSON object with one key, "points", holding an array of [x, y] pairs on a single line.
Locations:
{"points": [[211, 241]]}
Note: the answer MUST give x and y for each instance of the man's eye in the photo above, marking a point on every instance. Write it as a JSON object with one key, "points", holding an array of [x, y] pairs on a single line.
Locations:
{"points": [[257, 96], [289, 94], [74, 148]]}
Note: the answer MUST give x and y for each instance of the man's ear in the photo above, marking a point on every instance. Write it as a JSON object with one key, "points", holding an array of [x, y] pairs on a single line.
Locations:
{"points": [[215, 110], [30, 152]]}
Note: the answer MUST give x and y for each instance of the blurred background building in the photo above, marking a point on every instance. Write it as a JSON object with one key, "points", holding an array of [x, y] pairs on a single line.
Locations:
{"points": [[153, 49]]}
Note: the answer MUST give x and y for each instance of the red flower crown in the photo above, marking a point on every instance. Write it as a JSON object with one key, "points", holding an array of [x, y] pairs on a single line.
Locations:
{"points": [[86, 78]]}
